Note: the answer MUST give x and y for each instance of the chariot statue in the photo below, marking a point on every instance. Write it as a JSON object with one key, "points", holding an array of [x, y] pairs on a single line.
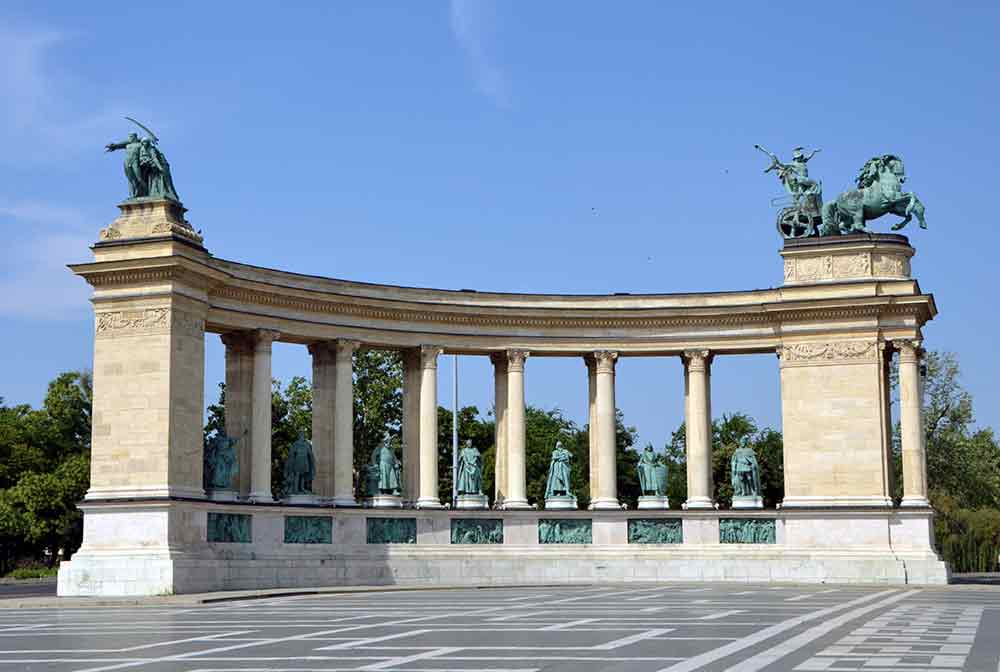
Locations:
{"points": [[879, 192]]}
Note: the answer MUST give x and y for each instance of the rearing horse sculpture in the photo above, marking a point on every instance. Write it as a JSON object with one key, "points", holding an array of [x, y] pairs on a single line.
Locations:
{"points": [[879, 192]]}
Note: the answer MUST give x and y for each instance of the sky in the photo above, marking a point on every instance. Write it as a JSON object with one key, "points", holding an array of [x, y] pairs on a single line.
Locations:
{"points": [[569, 147]]}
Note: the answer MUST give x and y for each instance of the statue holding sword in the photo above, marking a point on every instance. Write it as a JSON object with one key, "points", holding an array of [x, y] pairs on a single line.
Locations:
{"points": [[146, 167]]}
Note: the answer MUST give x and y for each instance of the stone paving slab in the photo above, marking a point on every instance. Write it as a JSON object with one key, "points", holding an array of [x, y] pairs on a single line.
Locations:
{"points": [[634, 627]]}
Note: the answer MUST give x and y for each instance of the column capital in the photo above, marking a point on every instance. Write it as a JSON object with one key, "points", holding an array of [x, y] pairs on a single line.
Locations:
{"points": [[240, 341], [909, 349], [499, 360], [345, 347], [697, 360], [429, 356], [604, 361], [264, 337], [322, 349], [516, 358]]}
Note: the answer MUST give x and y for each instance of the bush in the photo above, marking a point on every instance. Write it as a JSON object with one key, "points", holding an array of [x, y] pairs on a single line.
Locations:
{"points": [[32, 572], [969, 539]]}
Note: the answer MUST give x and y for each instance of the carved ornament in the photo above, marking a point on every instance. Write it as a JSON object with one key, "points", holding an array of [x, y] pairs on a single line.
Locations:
{"points": [[834, 352]]}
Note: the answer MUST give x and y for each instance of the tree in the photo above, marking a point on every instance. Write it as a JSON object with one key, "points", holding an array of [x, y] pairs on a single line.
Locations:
{"points": [[378, 402], [470, 428]]}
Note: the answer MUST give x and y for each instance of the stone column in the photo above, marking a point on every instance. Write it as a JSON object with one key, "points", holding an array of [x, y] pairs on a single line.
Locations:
{"points": [[516, 438], [411, 426], [343, 424], [911, 422], [592, 425], [500, 489], [239, 402], [428, 495], [698, 424], [324, 385], [260, 463], [607, 479]]}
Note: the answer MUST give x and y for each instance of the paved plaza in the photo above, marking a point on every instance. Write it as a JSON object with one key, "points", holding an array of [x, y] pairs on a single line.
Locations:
{"points": [[579, 629]]}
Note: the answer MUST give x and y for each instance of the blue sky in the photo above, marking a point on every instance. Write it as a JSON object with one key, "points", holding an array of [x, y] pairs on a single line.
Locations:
{"points": [[549, 147]]}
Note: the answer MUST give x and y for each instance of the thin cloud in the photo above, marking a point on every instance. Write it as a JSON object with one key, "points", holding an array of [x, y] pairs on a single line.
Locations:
{"points": [[42, 237], [472, 26]]}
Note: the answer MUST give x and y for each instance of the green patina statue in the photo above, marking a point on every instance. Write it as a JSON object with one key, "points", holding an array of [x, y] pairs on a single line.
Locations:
{"points": [[879, 192], [745, 470], [221, 462], [652, 473], [558, 483], [146, 168], [383, 473], [300, 468], [470, 471]]}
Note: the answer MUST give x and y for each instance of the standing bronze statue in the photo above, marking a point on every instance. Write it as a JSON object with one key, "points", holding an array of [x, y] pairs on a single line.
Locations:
{"points": [[146, 168]]}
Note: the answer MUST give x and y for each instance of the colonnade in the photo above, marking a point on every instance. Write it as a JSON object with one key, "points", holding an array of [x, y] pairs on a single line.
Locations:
{"points": [[248, 417]]}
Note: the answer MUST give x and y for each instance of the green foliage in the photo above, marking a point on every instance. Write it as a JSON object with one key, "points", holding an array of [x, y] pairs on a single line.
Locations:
{"points": [[291, 413], [378, 402], [470, 428], [22, 573], [969, 539]]}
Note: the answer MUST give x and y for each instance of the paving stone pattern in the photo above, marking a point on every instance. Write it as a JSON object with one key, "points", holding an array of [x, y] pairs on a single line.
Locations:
{"points": [[634, 627]]}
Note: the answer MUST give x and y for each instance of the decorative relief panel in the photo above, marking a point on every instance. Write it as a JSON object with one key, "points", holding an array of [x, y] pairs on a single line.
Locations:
{"points": [[855, 266], [800, 354], [308, 530], [231, 528], [655, 531], [746, 531], [891, 265], [476, 531], [392, 530], [147, 320], [565, 531]]}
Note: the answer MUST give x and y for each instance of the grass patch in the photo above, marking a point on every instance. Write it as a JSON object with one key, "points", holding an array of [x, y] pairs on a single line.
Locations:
{"points": [[32, 573]]}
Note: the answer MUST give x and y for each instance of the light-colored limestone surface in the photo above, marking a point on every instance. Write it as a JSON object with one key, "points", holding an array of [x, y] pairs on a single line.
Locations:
{"points": [[846, 306]]}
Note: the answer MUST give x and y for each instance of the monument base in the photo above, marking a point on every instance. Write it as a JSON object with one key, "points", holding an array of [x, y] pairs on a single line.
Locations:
{"points": [[384, 502], [748, 502], [561, 502], [653, 502], [472, 502], [161, 547], [302, 499]]}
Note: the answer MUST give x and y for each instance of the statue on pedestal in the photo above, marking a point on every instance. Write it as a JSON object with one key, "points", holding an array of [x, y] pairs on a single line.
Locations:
{"points": [[652, 473], [146, 167], [745, 476], [470, 471], [383, 474], [558, 491], [221, 463], [300, 468]]}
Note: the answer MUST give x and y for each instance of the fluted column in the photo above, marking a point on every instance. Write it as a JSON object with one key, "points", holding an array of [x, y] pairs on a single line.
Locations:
{"points": [[324, 391], [592, 426], [913, 439], [607, 477], [428, 494], [516, 435], [698, 425], [260, 467], [239, 402], [499, 360], [343, 424], [411, 426]]}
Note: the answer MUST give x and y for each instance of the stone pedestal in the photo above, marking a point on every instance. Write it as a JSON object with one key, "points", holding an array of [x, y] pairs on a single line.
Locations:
{"points": [[653, 502], [222, 495], [384, 502], [150, 218], [561, 502], [472, 502], [302, 499], [748, 502]]}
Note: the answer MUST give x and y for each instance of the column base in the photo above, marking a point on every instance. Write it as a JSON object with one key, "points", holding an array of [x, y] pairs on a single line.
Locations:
{"points": [[917, 502], [260, 497], [223, 495], [428, 503], [699, 503], [384, 502], [601, 504], [301, 499], [514, 504], [345, 502]]}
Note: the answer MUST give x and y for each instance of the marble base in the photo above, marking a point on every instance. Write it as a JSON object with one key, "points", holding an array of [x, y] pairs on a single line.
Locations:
{"points": [[384, 502], [222, 495], [561, 502], [748, 502], [472, 502], [653, 502], [301, 499]]}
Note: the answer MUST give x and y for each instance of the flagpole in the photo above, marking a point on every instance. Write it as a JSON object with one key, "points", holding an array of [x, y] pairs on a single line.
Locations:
{"points": [[454, 432]]}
